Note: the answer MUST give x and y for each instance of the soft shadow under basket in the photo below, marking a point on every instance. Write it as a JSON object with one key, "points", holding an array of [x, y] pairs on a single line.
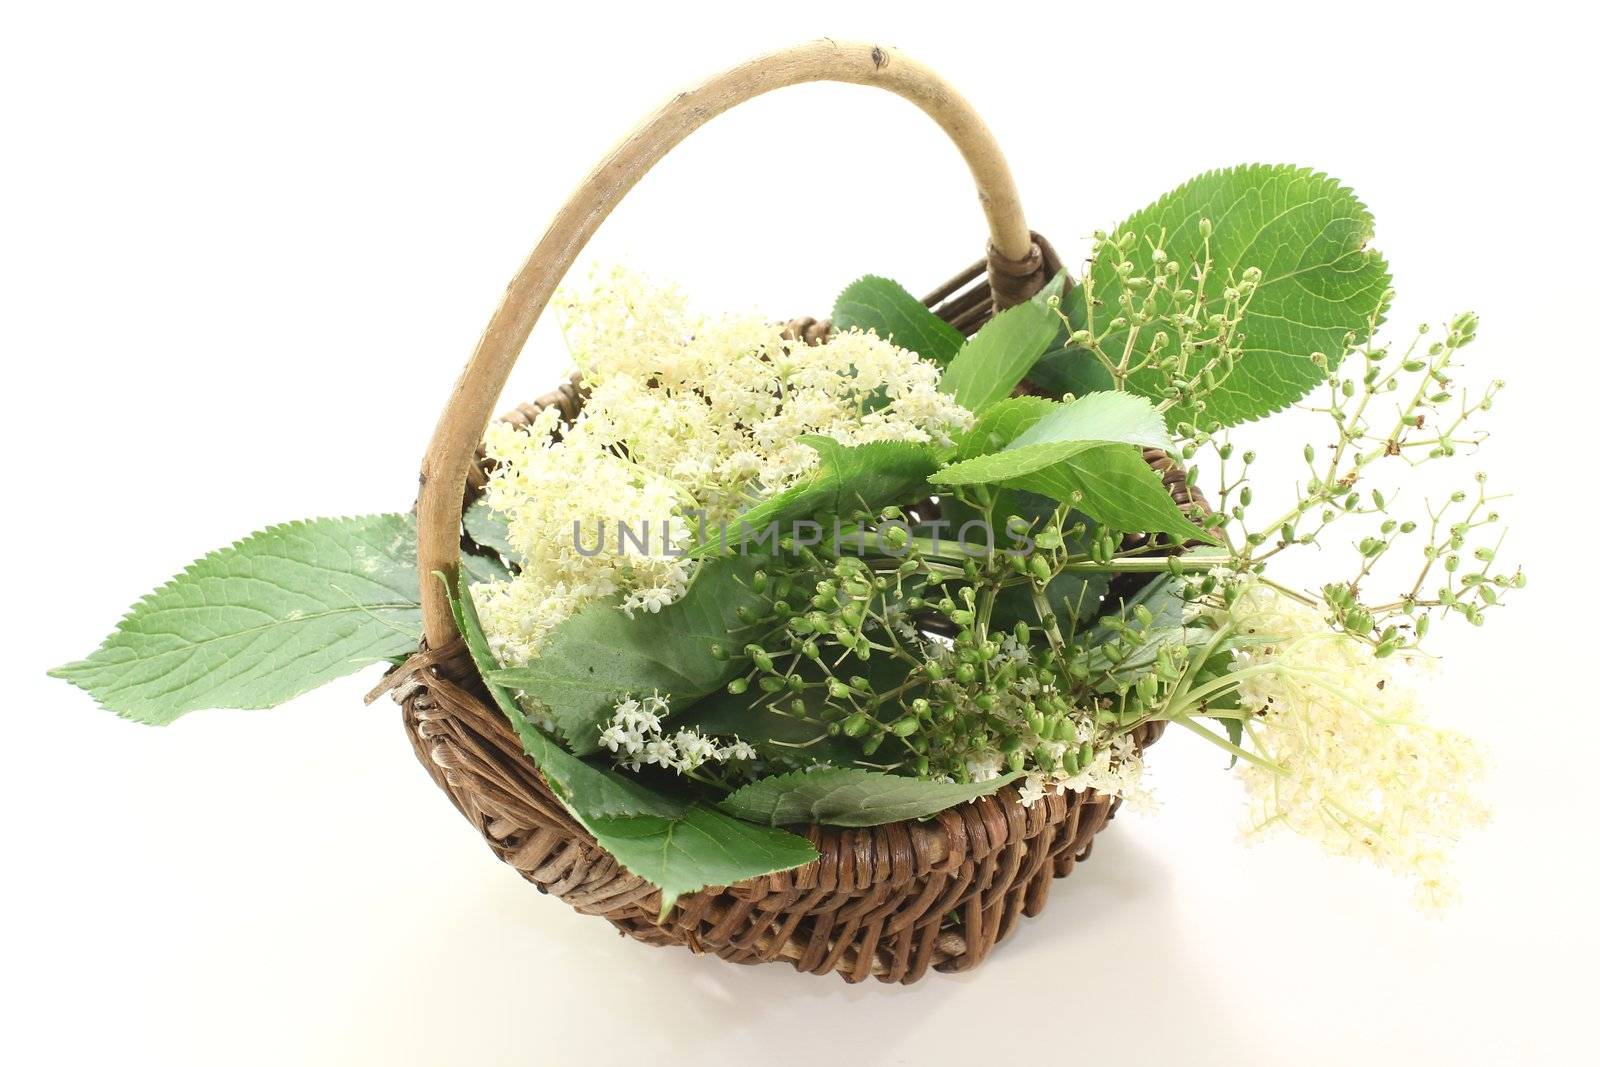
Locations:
{"points": [[887, 901]]}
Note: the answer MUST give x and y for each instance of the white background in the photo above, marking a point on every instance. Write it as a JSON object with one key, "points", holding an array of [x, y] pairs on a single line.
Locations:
{"points": [[244, 253]]}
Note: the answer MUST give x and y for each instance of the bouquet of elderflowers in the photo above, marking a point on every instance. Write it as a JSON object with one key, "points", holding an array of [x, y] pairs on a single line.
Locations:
{"points": [[756, 584]]}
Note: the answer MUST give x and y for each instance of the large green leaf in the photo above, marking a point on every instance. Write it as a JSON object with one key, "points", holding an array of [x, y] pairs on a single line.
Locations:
{"points": [[1116, 487], [1000, 423], [1320, 283], [266, 619], [845, 478], [1044, 432], [1120, 417], [677, 846], [999, 355], [599, 655], [882, 306], [1008, 464], [701, 847], [850, 796]]}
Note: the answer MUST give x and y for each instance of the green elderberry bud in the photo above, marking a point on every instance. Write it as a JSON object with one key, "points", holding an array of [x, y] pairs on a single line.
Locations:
{"points": [[1069, 761], [758, 581], [933, 669], [1086, 754], [718, 651], [810, 650], [870, 745], [896, 536], [856, 724], [770, 683], [920, 707], [1040, 568], [795, 683], [965, 673], [1147, 687], [905, 727], [738, 686], [838, 690]]}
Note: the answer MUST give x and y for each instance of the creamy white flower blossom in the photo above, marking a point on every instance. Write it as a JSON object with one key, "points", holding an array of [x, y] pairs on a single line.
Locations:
{"points": [[1116, 770], [635, 736], [1356, 767], [687, 413]]}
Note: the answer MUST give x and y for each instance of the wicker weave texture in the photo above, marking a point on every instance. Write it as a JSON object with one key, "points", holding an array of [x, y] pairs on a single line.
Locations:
{"points": [[889, 901]]}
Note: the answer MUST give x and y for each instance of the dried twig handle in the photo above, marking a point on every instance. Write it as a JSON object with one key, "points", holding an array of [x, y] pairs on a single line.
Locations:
{"points": [[466, 416]]}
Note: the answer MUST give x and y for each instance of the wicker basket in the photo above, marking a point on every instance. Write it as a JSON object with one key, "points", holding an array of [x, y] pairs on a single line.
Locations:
{"points": [[890, 901]]}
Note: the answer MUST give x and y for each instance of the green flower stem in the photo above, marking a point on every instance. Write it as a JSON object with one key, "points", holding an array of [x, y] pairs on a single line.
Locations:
{"points": [[1227, 746]]}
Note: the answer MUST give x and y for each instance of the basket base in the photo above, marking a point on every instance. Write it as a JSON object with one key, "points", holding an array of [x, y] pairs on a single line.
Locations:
{"points": [[890, 902]]}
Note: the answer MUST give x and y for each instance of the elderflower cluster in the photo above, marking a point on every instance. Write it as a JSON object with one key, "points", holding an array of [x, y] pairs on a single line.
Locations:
{"points": [[635, 735], [688, 415], [1351, 763], [1116, 771]]}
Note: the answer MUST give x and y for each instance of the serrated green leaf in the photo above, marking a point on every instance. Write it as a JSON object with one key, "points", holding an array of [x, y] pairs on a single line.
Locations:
{"points": [[1116, 487], [850, 796], [1320, 283], [487, 527], [999, 355], [999, 424], [599, 655], [845, 478], [1007, 465], [266, 619], [701, 847], [1121, 417], [1044, 432], [677, 846], [882, 306]]}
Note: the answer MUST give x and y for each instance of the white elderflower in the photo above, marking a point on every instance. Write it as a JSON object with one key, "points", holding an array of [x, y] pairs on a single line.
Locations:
{"points": [[686, 414], [635, 736], [1349, 760]]}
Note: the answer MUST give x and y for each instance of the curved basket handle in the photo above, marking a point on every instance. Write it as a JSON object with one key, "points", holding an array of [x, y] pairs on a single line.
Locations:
{"points": [[466, 416]]}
